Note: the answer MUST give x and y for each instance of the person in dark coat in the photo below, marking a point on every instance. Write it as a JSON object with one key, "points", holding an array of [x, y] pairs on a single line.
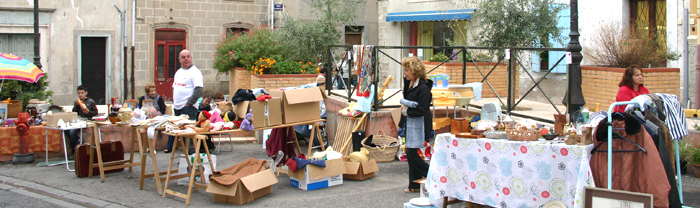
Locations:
{"points": [[416, 114]]}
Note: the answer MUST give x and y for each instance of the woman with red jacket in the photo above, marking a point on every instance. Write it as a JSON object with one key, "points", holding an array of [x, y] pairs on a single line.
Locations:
{"points": [[631, 86]]}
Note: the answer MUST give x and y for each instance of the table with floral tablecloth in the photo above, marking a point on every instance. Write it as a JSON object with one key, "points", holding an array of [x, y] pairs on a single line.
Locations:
{"points": [[504, 173], [9, 140]]}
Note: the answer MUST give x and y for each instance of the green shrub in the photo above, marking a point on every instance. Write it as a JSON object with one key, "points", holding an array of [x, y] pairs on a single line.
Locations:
{"points": [[439, 57], [21, 90], [243, 50]]}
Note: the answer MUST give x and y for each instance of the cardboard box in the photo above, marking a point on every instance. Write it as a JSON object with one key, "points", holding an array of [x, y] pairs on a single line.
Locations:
{"points": [[241, 108], [14, 107], [245, 190], [313, 177], [52, 120], [267, 113], [360, 171], [301, 105], [169, 109]]}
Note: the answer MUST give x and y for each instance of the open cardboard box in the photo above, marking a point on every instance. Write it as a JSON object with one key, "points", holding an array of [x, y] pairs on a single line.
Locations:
{"points": [[245, 190], [313, 177], [360, 171], [300, 104], [267, 113]]}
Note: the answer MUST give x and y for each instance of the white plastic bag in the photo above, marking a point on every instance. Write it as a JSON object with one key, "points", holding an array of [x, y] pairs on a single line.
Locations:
{"points": [[182, 168]]}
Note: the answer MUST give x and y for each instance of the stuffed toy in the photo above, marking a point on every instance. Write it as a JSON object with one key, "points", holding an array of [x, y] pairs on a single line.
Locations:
{"points": [[247, 122], [217, 126], [215, 117], [224, 106], [203, 125], [230, 116], [228, 125]]}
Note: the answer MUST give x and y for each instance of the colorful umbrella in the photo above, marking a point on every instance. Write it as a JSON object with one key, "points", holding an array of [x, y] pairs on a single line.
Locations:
{"points": [[16, 68]]}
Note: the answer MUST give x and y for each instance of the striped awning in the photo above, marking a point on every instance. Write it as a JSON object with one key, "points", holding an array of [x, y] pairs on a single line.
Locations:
{"points": [[436, 15]]}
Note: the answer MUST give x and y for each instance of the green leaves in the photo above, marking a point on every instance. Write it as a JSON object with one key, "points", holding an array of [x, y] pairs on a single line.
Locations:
{"points": [[20, 90], [515, 23]]}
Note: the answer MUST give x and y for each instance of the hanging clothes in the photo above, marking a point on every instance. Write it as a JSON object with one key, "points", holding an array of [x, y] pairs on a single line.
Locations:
{"points": [[281, 139], [664, 145], [675, 118], [367, 71], [659, 104], [632, 171]]}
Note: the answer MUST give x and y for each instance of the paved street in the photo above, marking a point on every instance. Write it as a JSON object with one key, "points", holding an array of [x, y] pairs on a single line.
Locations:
{"points": [[30, 186]]}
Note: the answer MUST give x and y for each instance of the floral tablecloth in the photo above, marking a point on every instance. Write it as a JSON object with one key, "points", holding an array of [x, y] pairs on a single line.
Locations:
{"points": [[9, 140], [504, 173]]}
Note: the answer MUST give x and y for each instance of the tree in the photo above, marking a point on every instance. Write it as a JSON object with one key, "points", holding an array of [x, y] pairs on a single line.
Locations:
{"points": [[515, 23], [310, 39]]}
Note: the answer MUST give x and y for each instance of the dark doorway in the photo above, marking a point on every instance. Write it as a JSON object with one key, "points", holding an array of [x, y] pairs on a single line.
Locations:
{"points": [[353, 35], [93, 58]]}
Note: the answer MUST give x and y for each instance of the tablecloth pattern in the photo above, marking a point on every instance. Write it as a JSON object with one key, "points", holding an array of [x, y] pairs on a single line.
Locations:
{"points": [[9, 140], [504, 173]]}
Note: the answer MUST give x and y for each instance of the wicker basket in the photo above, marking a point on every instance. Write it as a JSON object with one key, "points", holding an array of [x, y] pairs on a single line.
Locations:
{"points": [[523, 135], [383, 152]]}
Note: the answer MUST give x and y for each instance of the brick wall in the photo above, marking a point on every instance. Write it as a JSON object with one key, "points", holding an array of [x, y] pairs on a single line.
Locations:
{"points": [[600, 84], [498, 78], [276, 81], [239, 78]]}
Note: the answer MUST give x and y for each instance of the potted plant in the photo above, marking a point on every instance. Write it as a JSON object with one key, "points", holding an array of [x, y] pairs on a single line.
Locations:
{"points": [[694, 161]]}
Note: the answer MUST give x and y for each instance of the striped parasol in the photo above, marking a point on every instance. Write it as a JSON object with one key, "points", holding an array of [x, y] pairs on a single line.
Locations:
{"points": [[16, 68]]}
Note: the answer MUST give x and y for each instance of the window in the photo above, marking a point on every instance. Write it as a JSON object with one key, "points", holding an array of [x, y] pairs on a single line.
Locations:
{"points": [[19, 44], [235, 31]]}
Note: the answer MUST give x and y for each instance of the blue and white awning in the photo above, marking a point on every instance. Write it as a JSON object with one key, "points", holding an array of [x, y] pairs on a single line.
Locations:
{"points": [[437, 15]]}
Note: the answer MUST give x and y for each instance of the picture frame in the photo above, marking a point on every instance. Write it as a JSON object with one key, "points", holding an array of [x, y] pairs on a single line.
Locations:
{"points": [[602, 197], [3, 111]]}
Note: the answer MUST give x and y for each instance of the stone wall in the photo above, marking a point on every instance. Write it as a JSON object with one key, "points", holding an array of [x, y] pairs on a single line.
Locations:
{"points": [[498, 78], [600, 84]]}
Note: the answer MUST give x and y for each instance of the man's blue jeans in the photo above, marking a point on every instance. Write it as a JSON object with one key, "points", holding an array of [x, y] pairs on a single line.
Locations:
{"points": [[187, 110]]}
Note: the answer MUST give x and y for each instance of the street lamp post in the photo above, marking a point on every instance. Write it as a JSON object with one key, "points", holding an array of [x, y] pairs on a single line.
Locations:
{"points": [[37, 39], [574, 95]]}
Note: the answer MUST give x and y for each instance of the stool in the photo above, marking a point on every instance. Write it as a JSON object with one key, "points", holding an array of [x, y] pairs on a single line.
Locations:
{"points": [[195, 167]]}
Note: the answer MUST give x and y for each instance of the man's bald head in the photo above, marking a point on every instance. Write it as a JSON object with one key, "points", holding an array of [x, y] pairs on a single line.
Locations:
{"points": [[185, 59]]}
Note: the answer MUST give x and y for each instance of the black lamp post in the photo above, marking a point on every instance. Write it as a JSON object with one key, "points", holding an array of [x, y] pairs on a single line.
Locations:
{"points": [[37, 39], [574, 96]]}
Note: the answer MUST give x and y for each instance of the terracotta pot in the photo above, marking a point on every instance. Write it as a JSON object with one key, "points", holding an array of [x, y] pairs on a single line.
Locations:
{"points": [[113, 119]]}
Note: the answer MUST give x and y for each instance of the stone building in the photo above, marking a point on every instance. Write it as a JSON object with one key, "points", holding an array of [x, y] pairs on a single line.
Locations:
{"points": [[116, 47]]}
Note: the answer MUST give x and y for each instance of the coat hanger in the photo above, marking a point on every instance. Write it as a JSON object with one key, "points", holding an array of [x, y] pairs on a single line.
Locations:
{"points": [[616, 135]]}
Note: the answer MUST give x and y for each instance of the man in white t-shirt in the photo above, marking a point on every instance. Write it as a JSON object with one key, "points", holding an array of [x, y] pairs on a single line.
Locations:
{"points": [[188, 85]]}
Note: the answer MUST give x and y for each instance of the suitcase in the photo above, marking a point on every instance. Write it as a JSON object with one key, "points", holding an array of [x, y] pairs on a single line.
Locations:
{"points": [[111, 151]]}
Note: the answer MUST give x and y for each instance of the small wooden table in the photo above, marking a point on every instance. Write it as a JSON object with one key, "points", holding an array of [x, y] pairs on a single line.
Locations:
{"points": [[199, 138]]}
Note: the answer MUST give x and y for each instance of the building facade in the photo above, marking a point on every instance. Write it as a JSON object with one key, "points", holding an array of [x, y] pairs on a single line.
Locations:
{"points": [[116, 47]]}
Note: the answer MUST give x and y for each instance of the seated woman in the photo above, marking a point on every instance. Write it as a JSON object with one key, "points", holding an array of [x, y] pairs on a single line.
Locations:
{"points": [[158, 102], [631, 86]]}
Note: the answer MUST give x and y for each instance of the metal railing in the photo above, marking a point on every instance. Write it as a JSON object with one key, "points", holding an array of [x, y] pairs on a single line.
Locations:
{"points": [[512, 64]]}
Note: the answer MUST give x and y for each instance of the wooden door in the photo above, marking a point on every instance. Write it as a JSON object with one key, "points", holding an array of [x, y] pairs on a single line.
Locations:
{"points": [[169, 43], [93, 59]]}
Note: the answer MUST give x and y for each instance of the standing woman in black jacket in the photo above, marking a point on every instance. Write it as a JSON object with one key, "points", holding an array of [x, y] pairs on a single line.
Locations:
{"points": [[415, 112]]}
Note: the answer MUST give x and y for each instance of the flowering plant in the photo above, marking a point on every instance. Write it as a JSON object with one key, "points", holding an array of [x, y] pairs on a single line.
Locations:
{"points": [[263, 66], [245, 49]]}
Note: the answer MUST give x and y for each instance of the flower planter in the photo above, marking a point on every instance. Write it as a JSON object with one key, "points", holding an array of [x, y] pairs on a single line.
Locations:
{"points": [[276, 81], [498, 78], [606, 79], [239, 78]]}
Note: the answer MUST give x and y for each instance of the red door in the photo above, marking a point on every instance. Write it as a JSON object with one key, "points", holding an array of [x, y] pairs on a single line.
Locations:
{"points": [[169, 43]]}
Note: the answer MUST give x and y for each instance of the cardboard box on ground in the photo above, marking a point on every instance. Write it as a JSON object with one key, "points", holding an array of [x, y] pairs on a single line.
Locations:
{"points": [[246, 189], [313, 177], [360, 171]]}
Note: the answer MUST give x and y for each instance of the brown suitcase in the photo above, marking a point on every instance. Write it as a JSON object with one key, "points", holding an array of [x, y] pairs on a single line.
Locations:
{"points": [[111, 151]]}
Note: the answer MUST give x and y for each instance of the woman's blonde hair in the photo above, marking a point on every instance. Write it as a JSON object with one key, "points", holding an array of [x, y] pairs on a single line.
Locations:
{"points": [[148, 87], [416, 66]]}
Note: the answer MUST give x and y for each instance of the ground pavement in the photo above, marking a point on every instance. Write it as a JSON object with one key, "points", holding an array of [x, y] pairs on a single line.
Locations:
{"points": [[30, 186]]}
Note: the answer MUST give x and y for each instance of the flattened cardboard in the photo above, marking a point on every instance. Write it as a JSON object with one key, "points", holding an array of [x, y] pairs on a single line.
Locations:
{"points": [[52, 120], [274, 114], [302, 105], [333, 167], [396, 115], [241, 109], [255, 185], [360, 171]]}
